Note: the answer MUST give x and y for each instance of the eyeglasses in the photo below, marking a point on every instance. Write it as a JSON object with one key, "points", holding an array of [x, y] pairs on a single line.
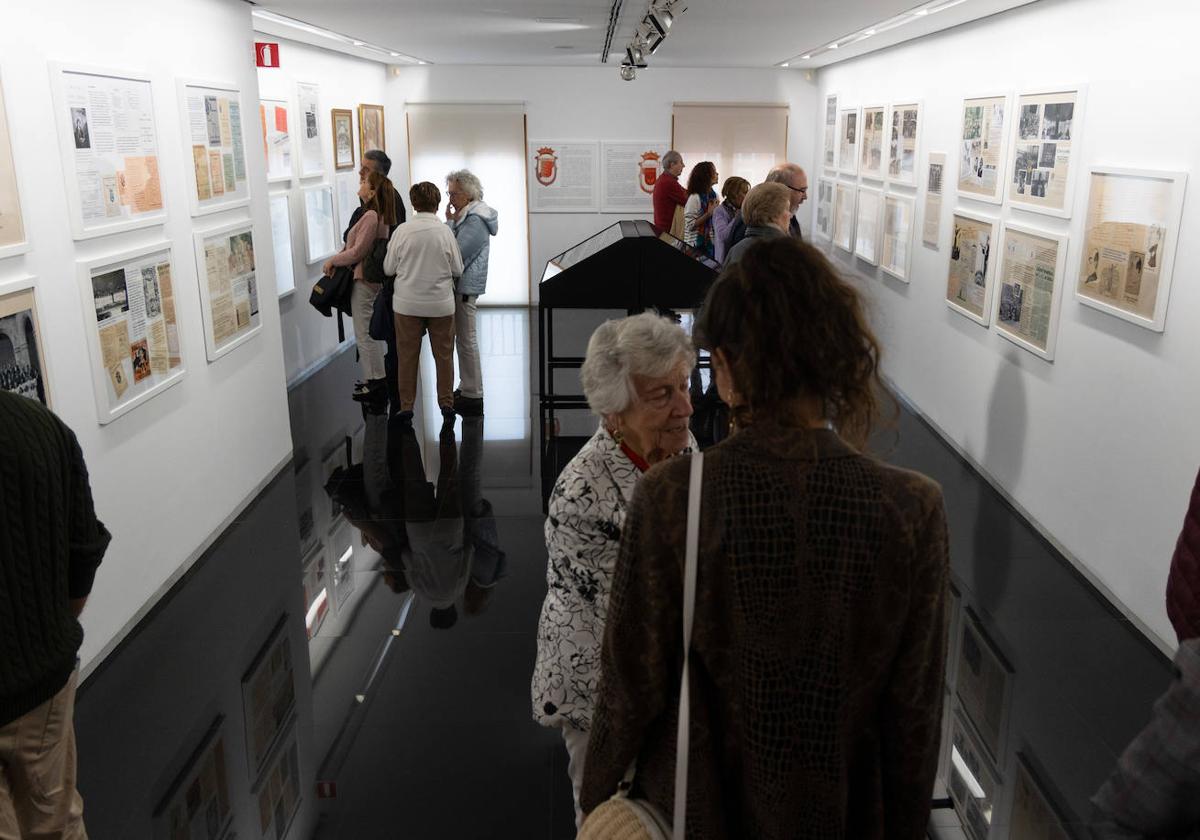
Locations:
{"points": [[801, 190]]}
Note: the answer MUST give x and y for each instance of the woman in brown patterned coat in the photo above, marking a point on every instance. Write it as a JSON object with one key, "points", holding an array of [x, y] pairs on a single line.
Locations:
{"points": [[819, 641]]}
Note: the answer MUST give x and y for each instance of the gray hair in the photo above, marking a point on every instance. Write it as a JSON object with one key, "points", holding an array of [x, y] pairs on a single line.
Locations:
{"points": [[646, 344], [670, 159], [782, 173], [380, 157], [765, 203], [467, 182]]}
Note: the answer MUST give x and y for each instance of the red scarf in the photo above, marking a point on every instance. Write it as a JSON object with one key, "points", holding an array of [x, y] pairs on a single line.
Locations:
{"points": [[637, 460]]}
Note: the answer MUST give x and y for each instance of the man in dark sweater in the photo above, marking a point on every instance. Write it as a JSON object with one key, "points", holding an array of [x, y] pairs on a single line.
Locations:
{"points": [[50, 545]]}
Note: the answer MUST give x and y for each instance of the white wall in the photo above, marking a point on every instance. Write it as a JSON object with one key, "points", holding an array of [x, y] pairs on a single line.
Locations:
{"points": [[345, 82], [1100, 446], [594, 104], [169, 474]]}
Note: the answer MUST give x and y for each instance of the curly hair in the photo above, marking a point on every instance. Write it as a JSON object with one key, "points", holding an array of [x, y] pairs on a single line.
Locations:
{"points": [[701, 178], [792, 329]]}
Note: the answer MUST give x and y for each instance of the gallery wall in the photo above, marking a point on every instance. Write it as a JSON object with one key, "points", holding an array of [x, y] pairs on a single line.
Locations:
{"points": [[170, 473], [344, 82], [1099, 447]]}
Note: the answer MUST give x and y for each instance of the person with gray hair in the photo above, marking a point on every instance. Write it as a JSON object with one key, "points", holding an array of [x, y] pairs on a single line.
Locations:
{"points": [[669, 196], [474, 224], [378, 161], [635, 377], [767, 212], [792, 176]]}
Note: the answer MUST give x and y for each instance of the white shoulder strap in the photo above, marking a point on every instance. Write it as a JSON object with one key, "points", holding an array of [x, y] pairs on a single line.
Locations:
{"points": [[679, 824]]}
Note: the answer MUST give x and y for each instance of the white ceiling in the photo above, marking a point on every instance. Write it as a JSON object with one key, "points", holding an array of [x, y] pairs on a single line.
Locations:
{"points": [[711, 33]]}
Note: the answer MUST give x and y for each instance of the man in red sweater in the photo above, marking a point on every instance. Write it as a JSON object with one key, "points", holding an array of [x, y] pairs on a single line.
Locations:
{"points": [[668, 192]]}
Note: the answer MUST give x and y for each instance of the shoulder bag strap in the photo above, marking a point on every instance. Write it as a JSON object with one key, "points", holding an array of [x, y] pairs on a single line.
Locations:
{"points": [[679, 824]]}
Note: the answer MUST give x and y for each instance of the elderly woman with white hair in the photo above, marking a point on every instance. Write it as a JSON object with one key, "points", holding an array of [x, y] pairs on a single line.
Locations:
{"points": [[635, 377], [474, 224]]}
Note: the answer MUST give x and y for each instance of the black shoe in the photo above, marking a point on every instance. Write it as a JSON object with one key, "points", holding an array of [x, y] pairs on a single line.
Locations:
{"points": [[366, 390], [468, 406], [405, 418]]}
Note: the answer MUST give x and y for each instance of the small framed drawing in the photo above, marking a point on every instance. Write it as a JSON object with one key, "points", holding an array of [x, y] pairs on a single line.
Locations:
{"points": [[1129, 241], [211, 115], [974, 786], [320, 234], [108, 139], [229, 294], [268, 696], [342, 120], [848, 137], [903, 146], [969, 278], [133, 335], [983, 684], [982, 147], [829, 136], [1033, 265], [896, 242], [1045, 137], [370, 129], [1034, 813], [281, 240], [312, 157], [277, 140], [13, 239], [843, 216], [866, 227], [197, 804], [278, 791], [24, 373], [871, 164], [823, 227]]}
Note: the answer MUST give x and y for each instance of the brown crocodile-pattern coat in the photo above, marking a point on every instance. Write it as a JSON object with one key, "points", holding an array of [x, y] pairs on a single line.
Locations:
{"points": [[818, 651]]}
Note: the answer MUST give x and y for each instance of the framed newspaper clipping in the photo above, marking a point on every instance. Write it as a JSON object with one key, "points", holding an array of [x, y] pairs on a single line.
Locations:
{"points": [[843, 215], [969, 283], [896, 242], [903, 143], [823, 208], [13, 239], [1129, 241], [276, 138], [871, 143], [829, 133], [866, 227], [216, 146], [1044, 160], [848, 136], [229, 295], [982, 148], [1033, 266]]}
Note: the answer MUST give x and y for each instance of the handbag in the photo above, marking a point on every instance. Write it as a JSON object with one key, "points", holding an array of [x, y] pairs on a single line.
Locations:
{"points": [[622, 817], [332, 294], [677, 223]]}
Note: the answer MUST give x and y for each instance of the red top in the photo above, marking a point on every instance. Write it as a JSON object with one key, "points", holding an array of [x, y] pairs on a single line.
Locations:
{"points": [[668, 195]]}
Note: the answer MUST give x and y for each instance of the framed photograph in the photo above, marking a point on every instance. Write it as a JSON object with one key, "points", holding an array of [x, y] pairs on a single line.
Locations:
{"points": [[312, 157], [843, 216], [983, 684], [1129, 242], [823, 209], [899, 211], [211, 115], [278, 792], [133, 337], [320, 233], [1034, 814], [871, 162], [342, 120], [229, 299], [1033, 265], [316, 593], [1042, 175], [13, 239], [969, 278], [848, 137], [277, 140], [904, 127], [23, 372], [110, 151], [866, 227], [196, 806], [370, 129], [268, 696], [974, 785], [829, 138], [281, 241], [983, 138]]}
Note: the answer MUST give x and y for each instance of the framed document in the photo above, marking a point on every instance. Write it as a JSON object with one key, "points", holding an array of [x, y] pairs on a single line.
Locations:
{"points": [[969, 278], [983, 138], [24, 373], [848, 136], [866, 228], [829, 137], [843, 216], [228, 273], [277, 141], [564, 176], [108, 139], [872, 162], [342, 120], [823, 209], [1129, 242], [628, 173], [312, 159], [281, 240], [1045, 133], [268, 696], [896, 242], [1033, 265], [370, 129], [13, 240], [983, 684], [903, 132], [196, 807], [215, 160], [134, 331], [320, 233]]}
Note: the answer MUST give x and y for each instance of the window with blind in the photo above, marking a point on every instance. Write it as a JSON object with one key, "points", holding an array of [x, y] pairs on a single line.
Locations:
{"points": [[489, 140], [745, 140]]}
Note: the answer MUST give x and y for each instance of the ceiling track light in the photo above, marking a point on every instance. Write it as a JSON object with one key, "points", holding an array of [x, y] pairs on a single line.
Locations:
{"points": [[929, 8], [649, 35]]}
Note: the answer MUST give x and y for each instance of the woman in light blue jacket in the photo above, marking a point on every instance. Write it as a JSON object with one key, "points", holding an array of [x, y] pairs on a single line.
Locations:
{"points": [[474, 224]]}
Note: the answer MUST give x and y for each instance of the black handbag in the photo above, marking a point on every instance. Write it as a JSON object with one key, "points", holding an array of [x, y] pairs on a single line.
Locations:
{"points": [[332, 294]]}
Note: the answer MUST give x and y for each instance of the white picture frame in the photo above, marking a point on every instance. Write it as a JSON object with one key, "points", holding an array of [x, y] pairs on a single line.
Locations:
{"points": [[1003, 304], [867, 167], [308, 107], [829, 135], [241, 193], [983, 268], [866, 224], [823, 210], [122, 399], [9, 171], [895, 251], [216, 345], [280, 165], [108, 189], [1019, 145], [848, 152], [281, 243], [19, 297], [896, 154], [844, 208], [979, 192], [320, 227], [1146, 187]]}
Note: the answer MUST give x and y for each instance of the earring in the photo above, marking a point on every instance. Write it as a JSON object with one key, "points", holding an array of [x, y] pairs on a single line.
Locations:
{"points": [[617, 437]]}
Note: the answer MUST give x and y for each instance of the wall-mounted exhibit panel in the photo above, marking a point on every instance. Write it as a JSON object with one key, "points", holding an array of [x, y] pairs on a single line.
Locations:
{"points": [[564, 176], [276, 139], [12, 226], [216, 147], [823, 210], [628, 173], [843, 215], [866, 226], [320, 227], [903, 152], [229, 294], [935, 186], [969, 282], [872, 163], [342, 121], [1033, 266], [281, 242], [982, 148], [829, 138], [848, 137], [1046, 128], [896, 242], [312, 158]]}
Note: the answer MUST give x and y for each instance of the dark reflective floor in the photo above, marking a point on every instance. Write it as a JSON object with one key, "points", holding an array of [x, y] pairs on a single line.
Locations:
{"points": [[387, 695]]}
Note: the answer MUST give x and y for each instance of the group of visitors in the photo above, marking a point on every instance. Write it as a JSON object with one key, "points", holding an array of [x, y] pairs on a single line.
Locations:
{"points": [[433, 274]]}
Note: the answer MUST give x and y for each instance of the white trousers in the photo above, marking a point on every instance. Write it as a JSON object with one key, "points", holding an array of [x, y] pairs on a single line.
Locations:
{"points": [[470, 374], [576, 741], [370, 351]]}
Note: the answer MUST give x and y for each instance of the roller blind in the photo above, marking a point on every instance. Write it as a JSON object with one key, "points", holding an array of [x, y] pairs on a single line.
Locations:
{"points": [[489, 140], [745, 140]]}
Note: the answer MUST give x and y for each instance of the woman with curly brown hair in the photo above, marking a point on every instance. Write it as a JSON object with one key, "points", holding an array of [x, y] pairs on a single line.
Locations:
{"points": [[819, 640]]}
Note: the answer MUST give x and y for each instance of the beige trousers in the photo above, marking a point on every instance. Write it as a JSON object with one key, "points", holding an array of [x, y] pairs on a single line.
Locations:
{"points": [[38, 798], [409, 329]]}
